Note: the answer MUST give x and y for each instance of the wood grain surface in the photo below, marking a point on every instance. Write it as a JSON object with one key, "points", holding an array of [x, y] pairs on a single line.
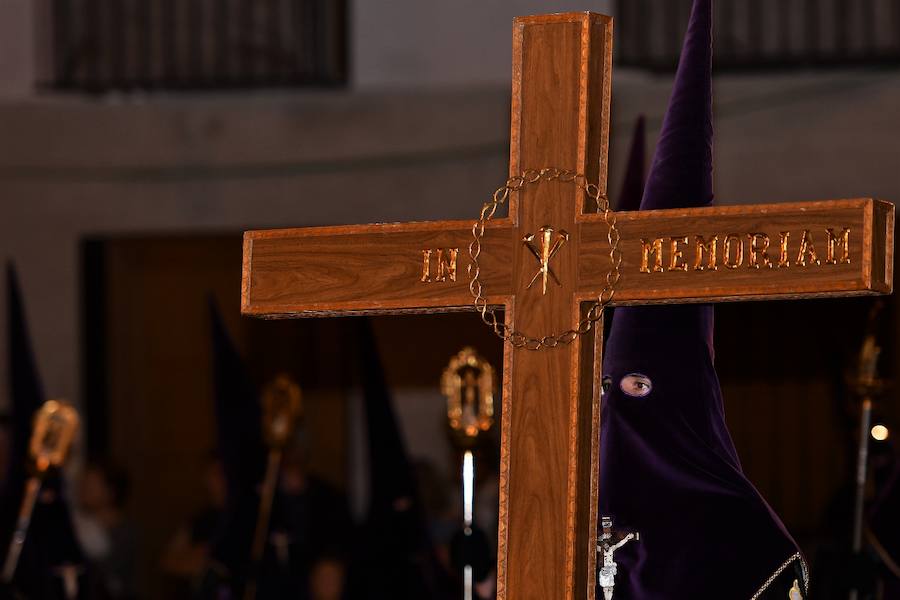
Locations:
{"points": [[870, 248], [367, 268], [560, 87], [377, 268]]}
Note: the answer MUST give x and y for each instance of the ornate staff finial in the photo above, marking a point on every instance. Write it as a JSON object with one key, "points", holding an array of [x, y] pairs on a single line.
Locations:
{"points": [[55, 425], [282, 409], [468, 384]]}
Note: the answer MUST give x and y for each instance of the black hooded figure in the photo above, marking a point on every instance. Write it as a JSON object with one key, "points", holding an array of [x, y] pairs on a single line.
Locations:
{"points": [[240, 448], [308, 528], [669, 469], [51, 552], [396, 558]]}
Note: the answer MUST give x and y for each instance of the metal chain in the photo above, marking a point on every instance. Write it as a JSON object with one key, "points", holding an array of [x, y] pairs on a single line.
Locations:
{"points": [[488, 314], [804, 570]]}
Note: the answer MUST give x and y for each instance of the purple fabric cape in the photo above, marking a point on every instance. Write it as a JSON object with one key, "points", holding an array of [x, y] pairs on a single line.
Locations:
{"points": [[669, 469]]}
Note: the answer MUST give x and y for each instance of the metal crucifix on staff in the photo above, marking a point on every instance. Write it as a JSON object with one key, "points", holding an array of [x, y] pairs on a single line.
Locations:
{"points": [[560, 232]]}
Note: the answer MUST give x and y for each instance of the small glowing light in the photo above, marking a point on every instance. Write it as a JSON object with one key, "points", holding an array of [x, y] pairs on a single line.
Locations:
{"points": [[880, 433], [468, 487]]}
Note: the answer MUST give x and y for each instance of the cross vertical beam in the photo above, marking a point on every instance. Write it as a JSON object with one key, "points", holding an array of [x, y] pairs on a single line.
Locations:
{"points": [[560, 107]]}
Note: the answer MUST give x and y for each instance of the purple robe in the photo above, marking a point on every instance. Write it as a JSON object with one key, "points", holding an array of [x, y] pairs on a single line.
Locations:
{"points": [[669, 469]]}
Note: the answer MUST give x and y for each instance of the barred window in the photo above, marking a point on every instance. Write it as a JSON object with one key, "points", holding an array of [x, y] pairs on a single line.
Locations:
{"points": [[105, 45], [764, 34]]}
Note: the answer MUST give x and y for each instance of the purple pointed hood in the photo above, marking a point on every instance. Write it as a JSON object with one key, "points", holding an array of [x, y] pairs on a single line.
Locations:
{"points": [[669, 469], [633, 183], [681, 171]]}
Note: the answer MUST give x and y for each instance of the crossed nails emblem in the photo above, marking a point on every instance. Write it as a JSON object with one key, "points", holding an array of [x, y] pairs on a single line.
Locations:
{"points": [[547, 250]]}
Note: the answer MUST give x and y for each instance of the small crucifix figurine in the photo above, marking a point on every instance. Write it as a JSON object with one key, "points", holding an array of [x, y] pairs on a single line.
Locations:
{"points": [[606, 548]]}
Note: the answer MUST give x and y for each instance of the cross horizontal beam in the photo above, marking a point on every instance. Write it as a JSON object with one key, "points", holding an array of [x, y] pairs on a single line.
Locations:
{"points": [[715, 254]]}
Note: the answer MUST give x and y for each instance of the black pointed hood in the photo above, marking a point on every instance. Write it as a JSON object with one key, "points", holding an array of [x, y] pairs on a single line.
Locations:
{"points": [[51, 542], [397, 558], [239, 446], [26, 389]]}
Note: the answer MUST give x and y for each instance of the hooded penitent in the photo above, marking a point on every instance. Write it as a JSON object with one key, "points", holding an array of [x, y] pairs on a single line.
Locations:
{"points": [[51, 551], [241, 450], [304, 525], [396, 558], [669, 469]]}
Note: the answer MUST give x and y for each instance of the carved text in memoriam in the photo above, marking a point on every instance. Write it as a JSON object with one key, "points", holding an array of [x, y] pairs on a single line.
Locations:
{"points": [[755, 250], [439, 265]]}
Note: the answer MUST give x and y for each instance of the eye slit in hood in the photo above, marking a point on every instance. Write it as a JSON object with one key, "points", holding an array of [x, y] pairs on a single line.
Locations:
{"points": [[636, 385]]}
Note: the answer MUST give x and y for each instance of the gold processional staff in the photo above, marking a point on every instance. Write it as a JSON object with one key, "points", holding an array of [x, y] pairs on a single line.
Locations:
{"points": [[468, 383], [55, 426], [282, 410]]}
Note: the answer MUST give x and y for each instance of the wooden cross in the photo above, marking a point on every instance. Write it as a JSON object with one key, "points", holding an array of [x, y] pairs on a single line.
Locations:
{"points": [[550, 417]]}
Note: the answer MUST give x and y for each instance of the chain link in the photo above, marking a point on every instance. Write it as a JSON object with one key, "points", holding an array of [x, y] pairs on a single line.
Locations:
{"points": [[804, 571], [595, 312]]}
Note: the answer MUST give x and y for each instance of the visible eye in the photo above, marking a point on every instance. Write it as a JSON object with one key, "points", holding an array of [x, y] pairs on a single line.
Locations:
{"points": [[605, 384], [636, 385]]}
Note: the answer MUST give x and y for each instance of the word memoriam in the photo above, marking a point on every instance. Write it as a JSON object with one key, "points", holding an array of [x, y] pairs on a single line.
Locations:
{"points": [[751, 250]]}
